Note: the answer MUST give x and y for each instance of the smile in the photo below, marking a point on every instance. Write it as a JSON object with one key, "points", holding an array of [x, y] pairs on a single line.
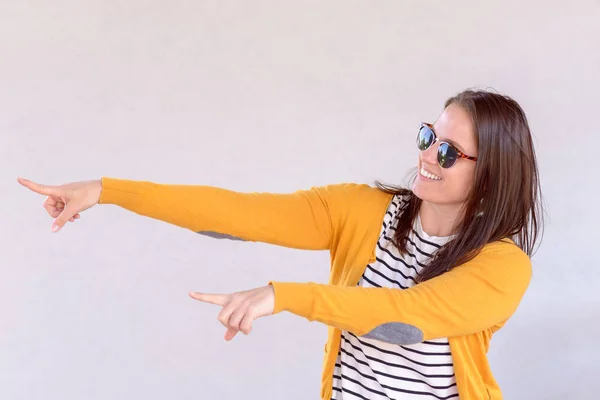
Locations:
{"points": [[429, 175]]}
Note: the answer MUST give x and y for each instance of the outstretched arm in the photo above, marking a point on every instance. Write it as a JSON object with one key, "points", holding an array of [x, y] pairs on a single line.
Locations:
{"points": [[477, 295], [305, 219], [480, 294]]}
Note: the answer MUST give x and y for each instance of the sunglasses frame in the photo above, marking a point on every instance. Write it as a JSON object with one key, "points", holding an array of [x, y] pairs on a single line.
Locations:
{"points": [[436, 139]]}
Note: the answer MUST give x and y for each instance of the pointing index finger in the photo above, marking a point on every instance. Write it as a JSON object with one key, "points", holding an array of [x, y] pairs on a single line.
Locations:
{"points": [[36, 187], [218, 299]]}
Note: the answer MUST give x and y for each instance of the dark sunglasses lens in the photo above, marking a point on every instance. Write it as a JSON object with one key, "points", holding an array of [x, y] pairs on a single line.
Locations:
{"points": [[447, 155], [425, 138]]}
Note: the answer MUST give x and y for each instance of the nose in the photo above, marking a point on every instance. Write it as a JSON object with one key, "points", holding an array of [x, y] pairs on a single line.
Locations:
{"points": [[429, 156]]}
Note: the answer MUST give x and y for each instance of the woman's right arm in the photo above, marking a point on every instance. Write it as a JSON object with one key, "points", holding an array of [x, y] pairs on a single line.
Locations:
{"points": [[305, 219], [301, 219]]}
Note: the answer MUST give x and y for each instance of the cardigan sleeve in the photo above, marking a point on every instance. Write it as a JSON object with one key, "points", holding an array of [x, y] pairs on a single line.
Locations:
{"points": [[469, 298], [305, 219]]}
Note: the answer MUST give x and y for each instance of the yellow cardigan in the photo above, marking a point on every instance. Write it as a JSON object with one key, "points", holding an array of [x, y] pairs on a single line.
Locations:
{"points": [[467, 304]]}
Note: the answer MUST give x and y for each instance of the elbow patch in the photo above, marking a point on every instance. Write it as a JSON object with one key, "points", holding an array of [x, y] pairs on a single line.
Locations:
{"points": [[216, 235], [396, 333]]}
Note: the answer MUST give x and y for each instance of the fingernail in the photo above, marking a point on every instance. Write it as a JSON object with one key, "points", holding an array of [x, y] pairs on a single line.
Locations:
{"points": [[55, 228]]}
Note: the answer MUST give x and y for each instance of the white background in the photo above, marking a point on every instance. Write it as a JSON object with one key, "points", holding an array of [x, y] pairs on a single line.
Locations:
{"points": [[266, 96]]}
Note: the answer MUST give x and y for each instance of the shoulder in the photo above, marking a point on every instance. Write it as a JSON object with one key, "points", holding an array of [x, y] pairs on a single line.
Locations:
{"points": [[505, 261], [505, 249], [355, 205], [355, 194]]}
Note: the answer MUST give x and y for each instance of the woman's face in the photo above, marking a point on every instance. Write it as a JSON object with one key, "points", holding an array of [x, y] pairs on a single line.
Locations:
{"points": [[450, 186]]}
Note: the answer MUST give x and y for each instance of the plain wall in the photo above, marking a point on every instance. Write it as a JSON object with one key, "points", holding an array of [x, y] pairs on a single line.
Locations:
{"points": [[266, 96]]}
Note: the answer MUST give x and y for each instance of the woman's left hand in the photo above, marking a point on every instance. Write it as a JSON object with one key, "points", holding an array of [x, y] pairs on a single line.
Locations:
{"points": [[240, 309]]}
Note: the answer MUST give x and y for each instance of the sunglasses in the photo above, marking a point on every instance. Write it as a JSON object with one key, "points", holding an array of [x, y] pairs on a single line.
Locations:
{"points": [[447, 154]]}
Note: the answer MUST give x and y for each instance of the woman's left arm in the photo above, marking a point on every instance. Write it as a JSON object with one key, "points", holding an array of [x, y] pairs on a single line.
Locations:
{"points": [[467, 299], [474, 296]]}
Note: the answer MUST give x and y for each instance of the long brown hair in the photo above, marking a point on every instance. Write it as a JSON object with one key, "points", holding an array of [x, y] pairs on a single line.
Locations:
{"points": [[505, 200]]}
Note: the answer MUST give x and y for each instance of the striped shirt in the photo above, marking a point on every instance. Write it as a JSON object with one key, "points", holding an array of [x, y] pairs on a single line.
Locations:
{"points": [[372, 369]]}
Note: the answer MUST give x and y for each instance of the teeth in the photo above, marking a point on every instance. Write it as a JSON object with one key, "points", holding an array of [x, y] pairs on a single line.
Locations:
{"points": [[429, 175]]}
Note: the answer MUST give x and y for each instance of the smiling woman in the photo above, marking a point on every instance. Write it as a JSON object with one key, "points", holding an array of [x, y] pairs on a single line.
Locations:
{"points": [[421, 278]]}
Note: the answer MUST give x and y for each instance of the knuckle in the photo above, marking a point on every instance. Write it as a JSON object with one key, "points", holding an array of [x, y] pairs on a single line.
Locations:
{"points": [[247, 303], [246, 328]]}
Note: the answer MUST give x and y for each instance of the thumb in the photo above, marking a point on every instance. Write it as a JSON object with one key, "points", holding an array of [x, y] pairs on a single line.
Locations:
{"points": [[38, 188], [67, 213]]}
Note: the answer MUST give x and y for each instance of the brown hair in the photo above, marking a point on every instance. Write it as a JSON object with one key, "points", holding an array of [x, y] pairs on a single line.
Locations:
{"points": [[505, 200]]}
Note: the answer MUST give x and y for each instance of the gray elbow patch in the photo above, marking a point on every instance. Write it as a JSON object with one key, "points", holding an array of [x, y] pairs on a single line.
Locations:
{"points": [[216, 235], [396, 333]]}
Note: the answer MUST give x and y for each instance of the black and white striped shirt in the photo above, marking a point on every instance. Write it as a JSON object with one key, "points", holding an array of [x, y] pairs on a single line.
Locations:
{"points": [[372, 369]]}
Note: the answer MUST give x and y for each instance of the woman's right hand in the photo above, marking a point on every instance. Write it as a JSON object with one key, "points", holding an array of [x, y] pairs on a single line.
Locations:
{"points": [[65, 202]]}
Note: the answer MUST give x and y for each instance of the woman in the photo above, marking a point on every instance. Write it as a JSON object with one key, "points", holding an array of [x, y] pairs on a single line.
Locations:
{"points": [[420, 278]]}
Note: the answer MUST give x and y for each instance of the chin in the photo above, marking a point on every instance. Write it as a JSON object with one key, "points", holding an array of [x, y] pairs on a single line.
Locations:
{"points": [[436, 197], [428, 194], [421, 192]]}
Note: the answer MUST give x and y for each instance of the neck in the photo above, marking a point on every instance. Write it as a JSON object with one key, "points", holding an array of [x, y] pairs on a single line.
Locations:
{"points": [[439, 220]]}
